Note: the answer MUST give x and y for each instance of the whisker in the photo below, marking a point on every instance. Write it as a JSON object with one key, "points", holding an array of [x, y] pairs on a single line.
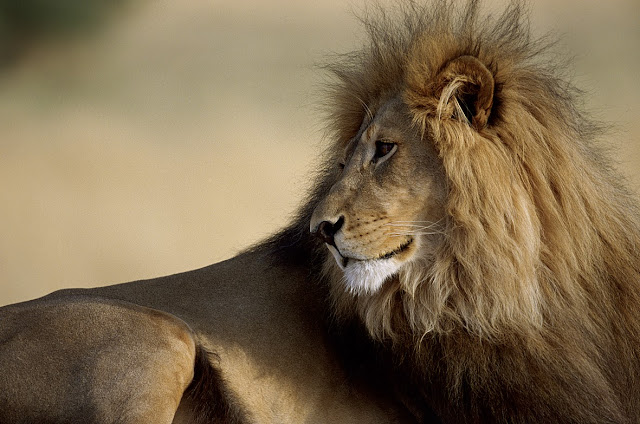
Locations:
{"points": [[416, 233], [413, 227], [416, 230], [439, 220], [366, 108], [414, 223], [393, 224]]}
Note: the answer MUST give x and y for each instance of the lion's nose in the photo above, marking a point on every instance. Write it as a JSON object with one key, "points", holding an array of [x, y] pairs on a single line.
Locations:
{"points": [[327, 230]]}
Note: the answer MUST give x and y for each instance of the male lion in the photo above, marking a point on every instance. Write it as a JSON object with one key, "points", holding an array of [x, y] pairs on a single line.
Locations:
{"points": [[470, 254]]}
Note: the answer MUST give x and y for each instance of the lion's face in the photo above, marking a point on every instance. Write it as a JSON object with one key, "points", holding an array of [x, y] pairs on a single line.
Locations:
{"points": [[385, 209]]}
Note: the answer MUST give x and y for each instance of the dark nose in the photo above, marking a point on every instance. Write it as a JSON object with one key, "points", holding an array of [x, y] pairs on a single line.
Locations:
{"points": [[327, 229]]}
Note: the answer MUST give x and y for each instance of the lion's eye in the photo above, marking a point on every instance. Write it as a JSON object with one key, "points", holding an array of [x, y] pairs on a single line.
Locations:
{"points": [[384, 149]]}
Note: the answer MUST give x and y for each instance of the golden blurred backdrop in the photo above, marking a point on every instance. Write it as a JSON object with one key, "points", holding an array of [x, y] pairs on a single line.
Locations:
{"points": [[174, 134]]}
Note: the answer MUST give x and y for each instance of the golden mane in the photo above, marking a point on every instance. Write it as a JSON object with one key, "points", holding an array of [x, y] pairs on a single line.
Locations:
{"points": [[540, 247], [535, 286], [537, 221]]}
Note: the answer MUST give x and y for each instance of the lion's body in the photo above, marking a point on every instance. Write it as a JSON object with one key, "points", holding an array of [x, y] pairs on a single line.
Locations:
{"points": [[263, 324], [483, 262]]}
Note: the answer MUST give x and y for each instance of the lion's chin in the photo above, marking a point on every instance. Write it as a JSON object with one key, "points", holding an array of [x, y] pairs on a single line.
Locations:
{"points": [[366, 277]]}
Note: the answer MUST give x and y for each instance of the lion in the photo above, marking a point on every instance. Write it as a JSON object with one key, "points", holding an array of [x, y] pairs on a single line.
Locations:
{"points": [[475, 228], [467, 255]]}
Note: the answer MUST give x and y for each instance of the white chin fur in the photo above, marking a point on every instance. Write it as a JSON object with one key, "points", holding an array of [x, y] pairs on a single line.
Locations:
{"points": [[367, 277]]}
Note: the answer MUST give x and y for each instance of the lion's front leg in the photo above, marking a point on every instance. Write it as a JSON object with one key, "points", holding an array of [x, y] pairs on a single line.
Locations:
{"points": [[90, 360]]}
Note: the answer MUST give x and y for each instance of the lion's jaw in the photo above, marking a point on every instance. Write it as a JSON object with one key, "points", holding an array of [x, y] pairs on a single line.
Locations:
{"points": [[384, 205], [362, 275]]}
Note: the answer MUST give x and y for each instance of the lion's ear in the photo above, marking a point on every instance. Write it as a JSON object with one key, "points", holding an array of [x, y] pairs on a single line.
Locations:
{"points": [[465, 91]]}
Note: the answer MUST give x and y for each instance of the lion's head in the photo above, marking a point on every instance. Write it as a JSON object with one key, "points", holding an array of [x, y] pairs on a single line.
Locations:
{"points": [[464, 189], [384, 211]]}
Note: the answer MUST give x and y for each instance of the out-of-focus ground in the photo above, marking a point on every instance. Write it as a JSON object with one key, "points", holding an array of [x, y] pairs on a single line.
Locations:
{"points": [[182, 132]]}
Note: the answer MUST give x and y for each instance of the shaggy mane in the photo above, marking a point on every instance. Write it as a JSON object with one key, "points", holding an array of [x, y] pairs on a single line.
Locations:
{"points": [[540, 248], [538, 223]]}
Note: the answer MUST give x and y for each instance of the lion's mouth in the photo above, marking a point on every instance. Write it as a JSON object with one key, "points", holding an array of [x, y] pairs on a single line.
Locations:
{"points": [[343, 261], [397, 251]]}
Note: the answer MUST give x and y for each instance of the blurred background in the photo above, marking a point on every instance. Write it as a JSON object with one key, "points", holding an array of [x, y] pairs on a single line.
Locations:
{"points": [[143, 138]]}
